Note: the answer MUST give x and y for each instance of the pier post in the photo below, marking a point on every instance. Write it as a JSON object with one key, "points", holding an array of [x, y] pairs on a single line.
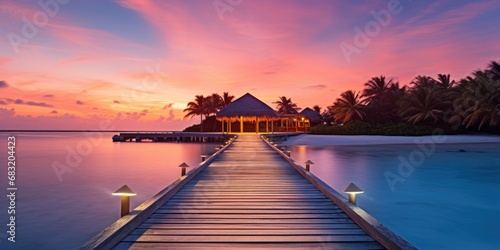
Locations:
{"points": [[183, 166], [352, 190], [124, 192], [289, 153], [308, 165], [241, 124], [257, 125], [203, 158]]}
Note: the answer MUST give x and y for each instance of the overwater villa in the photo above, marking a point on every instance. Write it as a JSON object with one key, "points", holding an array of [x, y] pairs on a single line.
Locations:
{"points": [[249, 109]]}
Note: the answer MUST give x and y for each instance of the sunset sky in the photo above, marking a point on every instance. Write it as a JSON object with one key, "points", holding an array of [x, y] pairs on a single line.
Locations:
{"points": [[73, 63]]}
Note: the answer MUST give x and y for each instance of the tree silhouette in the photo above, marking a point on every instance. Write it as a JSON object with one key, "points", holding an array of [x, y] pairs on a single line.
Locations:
{"points": [[196, 107], [286, 106]]}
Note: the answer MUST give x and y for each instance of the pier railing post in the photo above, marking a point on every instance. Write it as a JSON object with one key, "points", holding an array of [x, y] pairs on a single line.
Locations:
{"points": [[203, 158], [183, 166], [308, 165], [124, 192], [289, 153]]}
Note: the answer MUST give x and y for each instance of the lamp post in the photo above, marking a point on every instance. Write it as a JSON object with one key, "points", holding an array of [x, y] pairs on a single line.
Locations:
{"points": [[352, 190], [124, 192], [308, 165], [183, 166]]}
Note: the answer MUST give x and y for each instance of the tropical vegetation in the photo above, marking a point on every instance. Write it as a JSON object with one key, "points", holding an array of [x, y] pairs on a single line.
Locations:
{"points": [[206, 106], [386, 107], [473, 104], [286, 106]]}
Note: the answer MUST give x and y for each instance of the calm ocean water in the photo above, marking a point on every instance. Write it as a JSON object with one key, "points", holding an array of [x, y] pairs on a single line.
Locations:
{"points": [[64, 213], [449, 201]]}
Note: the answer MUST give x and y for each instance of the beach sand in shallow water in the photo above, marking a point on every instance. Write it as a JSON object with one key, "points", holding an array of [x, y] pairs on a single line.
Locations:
{"points": [[347, 140]]}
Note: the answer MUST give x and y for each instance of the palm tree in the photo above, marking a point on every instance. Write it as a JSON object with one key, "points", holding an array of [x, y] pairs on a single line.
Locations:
{"points": [[422, 104], [348, 107], [423, 81], [195, 108], [479, 102], [445, 81], [382, 97], [317, 108], [226, 98], [213, 104], [375, 90], [328, 114], [286, 106], [494, 69]]}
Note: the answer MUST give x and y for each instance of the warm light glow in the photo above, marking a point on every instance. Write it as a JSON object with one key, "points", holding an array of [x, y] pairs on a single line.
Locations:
{"points": [[124, 191], [353, 189], [355, 192], [124, 194]]}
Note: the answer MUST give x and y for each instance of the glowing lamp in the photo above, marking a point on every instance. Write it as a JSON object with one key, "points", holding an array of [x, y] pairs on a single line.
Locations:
{"points": [[352, 190], [124, 192]]}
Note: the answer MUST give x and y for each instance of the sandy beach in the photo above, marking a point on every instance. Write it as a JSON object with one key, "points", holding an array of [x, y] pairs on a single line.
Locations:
{"points": [[347, 140]]}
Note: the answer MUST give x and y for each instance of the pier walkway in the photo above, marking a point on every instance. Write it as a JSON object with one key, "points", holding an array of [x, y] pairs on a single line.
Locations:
{"points": [[249, 197]]}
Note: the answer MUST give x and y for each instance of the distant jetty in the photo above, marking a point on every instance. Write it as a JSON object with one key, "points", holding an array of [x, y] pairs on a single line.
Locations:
{"points": [[171, 137]]}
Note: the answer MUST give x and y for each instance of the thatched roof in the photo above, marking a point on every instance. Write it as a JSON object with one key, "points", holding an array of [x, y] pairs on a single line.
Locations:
{"points": [[312, 115], [249, 107]]}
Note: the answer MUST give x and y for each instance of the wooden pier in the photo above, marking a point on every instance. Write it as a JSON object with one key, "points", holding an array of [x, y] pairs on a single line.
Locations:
{"points": [[171, 136], [248, 195]]}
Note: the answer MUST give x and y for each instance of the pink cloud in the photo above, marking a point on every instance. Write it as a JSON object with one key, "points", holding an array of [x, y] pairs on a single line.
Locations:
{"points": [[5, 60]]}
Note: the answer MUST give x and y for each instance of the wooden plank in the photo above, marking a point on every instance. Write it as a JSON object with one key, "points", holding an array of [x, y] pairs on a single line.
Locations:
{"points": [[255, 232], [246, 211], [247, 216], [260, 226], [250, 206], [248, 238], [189, 220], [253, 246]]}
